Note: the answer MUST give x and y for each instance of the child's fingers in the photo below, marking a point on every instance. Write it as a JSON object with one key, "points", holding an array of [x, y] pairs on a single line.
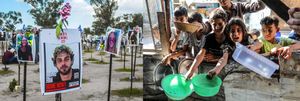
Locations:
{"points": [[293, 10], [287, 56], [283, 52], [294, 21], [296, 15]]}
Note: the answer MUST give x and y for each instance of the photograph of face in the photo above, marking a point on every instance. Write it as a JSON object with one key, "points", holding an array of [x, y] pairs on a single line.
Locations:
{"points": [[60, 63], [113, 41], [111, 44], [63, 58], [25, 47]]}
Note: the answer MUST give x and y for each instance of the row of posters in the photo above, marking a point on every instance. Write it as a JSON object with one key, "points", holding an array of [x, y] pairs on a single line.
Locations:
{"points": [[61, 58], [61, 55]]}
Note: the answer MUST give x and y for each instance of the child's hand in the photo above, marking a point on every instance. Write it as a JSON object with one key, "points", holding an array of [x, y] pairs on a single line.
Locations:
{"points": [[285, 52], [211, 73], [189, 74], [251, 47], [166, 60], [294, 19], [209, 57], [177, 32], [274, 51]]}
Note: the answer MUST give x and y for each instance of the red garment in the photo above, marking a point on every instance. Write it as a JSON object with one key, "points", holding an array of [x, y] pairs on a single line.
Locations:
{"points": [[7, 55]]}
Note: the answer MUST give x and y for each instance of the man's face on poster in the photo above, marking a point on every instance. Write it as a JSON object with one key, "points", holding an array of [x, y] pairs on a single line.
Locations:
{"points": [[63, 63]]}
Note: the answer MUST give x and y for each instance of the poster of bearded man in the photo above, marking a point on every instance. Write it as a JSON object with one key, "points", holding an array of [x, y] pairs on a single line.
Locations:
{"points": [[61, 61]]}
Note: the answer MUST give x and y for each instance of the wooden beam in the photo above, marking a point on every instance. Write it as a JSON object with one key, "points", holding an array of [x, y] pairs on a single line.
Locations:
{"points": [[164, 39], [167, 15], [279, 8]]}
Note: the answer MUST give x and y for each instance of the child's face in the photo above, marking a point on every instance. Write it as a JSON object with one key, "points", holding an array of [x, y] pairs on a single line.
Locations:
{"points": [[269, 31], [181, 19], [218, 25], [224, 2], [236, 33]]}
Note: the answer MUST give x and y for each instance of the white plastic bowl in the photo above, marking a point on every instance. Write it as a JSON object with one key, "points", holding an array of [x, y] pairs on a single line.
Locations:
{"points": [[254, 61]]}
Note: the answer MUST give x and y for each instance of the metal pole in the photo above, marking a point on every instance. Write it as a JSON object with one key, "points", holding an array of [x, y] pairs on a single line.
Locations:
{"points": [[109, 78], [58, 97], [124, 55], [19, 70], [24, 91], [149, 17], [135, 51], [131, 70]]}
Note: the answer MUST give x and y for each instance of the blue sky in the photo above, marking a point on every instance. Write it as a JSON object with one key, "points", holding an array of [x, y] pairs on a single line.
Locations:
{"points": [[81, 12]]}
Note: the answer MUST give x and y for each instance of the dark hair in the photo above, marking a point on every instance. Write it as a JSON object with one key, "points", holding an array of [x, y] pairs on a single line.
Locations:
{"points": [[180, 11], [239, 22], [195, 17], [269, 20], [60, 49], [218, 14]]}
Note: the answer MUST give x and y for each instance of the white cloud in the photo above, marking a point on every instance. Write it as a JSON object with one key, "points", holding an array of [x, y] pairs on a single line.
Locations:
{"points": [[129, 6], [81, 14]]}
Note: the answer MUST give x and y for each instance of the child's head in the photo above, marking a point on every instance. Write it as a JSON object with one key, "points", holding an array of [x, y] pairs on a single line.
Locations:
{"points": [[236, 30], [195, 18], [225, 3], [254, 33], [181, 14], [269, 27], [218, 20]]}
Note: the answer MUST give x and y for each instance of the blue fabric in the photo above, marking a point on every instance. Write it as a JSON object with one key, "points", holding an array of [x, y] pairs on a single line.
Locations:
{"points": [[294, 35], [278, 34]]}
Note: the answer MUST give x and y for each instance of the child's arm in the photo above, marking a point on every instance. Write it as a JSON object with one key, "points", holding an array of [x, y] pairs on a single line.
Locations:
{"points": [[253, 7], [220, 65], [197, 61], [286, 51], [167, 59], [175, 41]]}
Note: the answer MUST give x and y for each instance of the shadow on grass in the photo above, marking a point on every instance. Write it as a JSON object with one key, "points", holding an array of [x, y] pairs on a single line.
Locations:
{"points": [[88, 51], [134, 80], [6, 72], [101, 53], [126, 92], [140, 65], [85, 81], [90, 59], [100, 62], [121, 60], [127, 69]]}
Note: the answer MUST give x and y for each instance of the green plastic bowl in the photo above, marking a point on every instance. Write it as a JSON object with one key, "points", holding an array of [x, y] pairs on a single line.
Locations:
{"points": [[176, 87], [205, 87]]}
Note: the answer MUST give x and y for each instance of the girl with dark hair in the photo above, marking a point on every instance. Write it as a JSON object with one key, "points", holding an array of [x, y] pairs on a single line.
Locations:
{"points": [[111, 42], [237, 32]]}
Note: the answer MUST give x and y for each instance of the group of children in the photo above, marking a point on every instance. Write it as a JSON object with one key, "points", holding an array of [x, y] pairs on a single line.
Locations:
{"points": [[215, 42]]}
